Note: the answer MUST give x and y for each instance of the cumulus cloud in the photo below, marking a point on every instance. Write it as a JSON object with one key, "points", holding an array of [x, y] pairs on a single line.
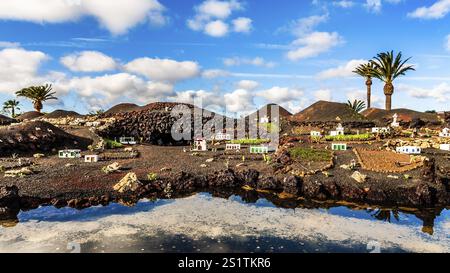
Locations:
{"points": [[257, 61], [5, 44], [89, 61], [239, 101], [247, 85], [212, 18], [290, 98], [436, 11], [117, 17], [19, 68], [216, 28], [341, 71], [441, 92], [323, 94], [314, 44], [377, 5], [107, 89], [242, 24], [164, 70]]}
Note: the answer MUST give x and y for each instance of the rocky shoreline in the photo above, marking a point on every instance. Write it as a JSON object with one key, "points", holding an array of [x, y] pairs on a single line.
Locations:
{"points": [[431, 192]]}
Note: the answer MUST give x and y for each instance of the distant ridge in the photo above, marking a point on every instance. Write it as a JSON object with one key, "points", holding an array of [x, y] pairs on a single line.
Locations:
{"points": [[63, 114], [123, 108], [328, 111]]}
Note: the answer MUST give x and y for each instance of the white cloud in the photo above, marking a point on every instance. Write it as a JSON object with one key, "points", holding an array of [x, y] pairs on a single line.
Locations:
{"points": [[436, 11], [5, 44], [108, 89], [216, 28], [212, 17], [314, 44], [207, 99], [239, 101], [215, 73], [117, 17], [280, 95], [323, 94], [373, 5], [242, 24], [341, 71], [164, 70], [19, 68], [306, 25], [89, 61], [257, 61], [447, 43], [218, 9], [292, 99], [440, 93], [247, 85], [344, 4]]}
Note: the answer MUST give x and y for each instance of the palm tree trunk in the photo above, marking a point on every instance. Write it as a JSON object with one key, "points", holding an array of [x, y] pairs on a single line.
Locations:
{"points": [[388, 91], [37, 106], [369, 92], [13, 112]]}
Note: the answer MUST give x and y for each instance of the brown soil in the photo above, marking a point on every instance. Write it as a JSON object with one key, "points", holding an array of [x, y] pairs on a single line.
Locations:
{"points": [[123, 108], [63, 114], [29, 115], [327, 111], [385, 161], [405, 115]]}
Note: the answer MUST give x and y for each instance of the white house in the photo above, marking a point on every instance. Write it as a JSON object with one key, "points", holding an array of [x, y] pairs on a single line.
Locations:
{"points": [[232, 147], [395, 122], [410, 150], [339, 131], [381, 130], [222, 136], [339, 146], [200, 144], [264, 119], [445, 147], [445, 132], [69, 154], [91, 158], [316, 134], [259, 149], [127, 140]]}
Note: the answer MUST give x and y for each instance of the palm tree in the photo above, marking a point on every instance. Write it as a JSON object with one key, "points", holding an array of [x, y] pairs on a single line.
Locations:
{"points": [[387, 68], [38, 94], [11, 105], [357, 105], [366, 71]]}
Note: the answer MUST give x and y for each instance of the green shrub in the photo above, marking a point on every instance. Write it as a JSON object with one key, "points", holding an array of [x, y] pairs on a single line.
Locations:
{"points": [[249, 141], [309, 154], [152, 176], [360, 137], [112, 144]]}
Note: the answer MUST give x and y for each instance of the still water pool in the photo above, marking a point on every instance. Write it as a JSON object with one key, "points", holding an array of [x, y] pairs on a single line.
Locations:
{"points": [[203, 223]]}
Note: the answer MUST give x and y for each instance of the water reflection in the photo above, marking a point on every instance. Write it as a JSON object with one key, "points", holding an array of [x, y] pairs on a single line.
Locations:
{"points": [[236, 222]]}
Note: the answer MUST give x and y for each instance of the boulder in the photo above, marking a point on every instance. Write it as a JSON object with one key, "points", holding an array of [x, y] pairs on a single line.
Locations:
{"points": [[19, 173], [292, 184], [129, 183], [249, 177], [359, 177], [268, 183], [114, 167]]}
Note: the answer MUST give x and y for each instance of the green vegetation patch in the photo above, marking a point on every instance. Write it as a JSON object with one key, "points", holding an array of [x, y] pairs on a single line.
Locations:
{"points": [[249, 141], [112, 144], [309, 154], [360, 137]]}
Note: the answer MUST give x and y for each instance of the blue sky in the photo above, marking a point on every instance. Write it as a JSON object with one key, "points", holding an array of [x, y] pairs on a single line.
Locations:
{"points": [[233, 53]]}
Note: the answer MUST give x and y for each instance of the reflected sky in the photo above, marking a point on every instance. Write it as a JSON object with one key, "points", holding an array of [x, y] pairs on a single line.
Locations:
{"points": [[203, 223]]}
